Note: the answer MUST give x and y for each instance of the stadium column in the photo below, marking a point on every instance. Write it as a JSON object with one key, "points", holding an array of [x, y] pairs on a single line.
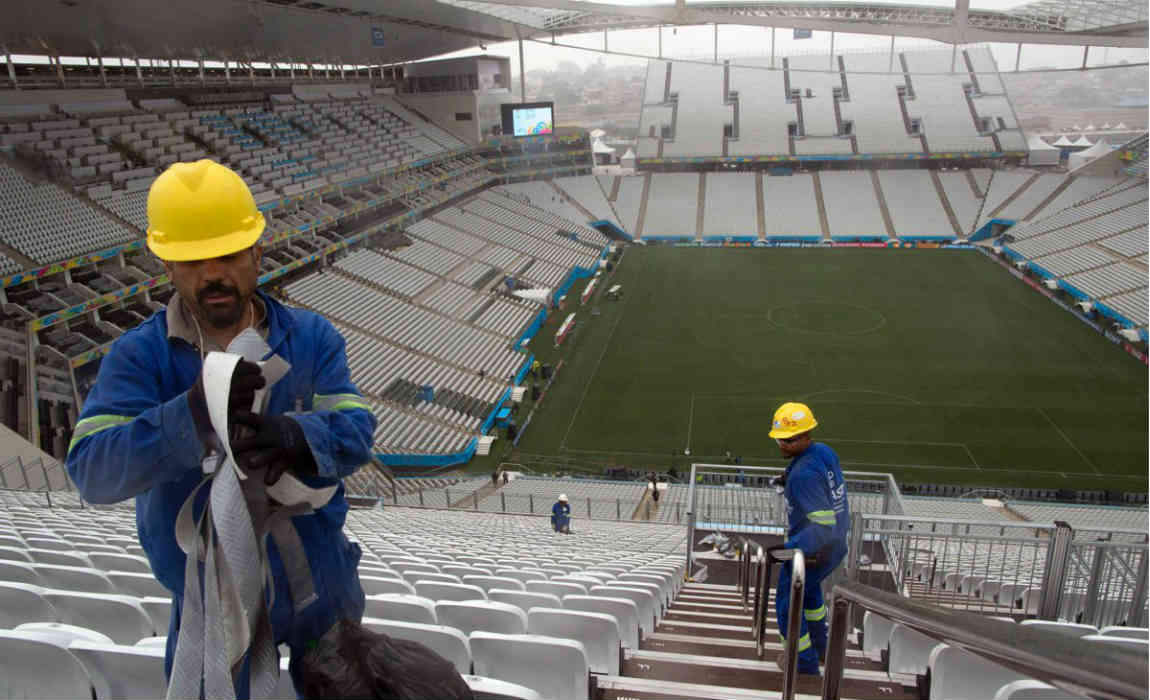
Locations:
{"points": [[310, 70], [103, 73], [660, 30], [139, 72], [200, 65], [227, 72], [11, 68], [1018, 58], [522, 74], [716, 55]]}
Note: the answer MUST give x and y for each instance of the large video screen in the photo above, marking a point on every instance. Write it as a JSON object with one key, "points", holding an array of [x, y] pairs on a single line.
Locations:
{"points": [[528, 119]]}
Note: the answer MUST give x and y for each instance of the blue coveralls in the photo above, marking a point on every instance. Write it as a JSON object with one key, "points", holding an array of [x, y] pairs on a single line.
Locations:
{"points": [[136, 437], [818, 517], [560, 515]]}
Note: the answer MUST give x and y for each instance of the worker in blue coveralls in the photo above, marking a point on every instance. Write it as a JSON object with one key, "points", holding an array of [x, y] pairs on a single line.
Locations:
{"points": [[144, 430], [818, 518], [561, 515]]}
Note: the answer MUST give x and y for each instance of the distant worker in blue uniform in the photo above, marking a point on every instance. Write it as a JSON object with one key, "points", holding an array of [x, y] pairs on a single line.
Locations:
{"points": [[818, 518], [145, 431], [561, 515]]}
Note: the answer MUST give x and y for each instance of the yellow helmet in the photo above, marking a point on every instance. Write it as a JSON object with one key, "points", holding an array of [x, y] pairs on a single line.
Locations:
{"points": [[201, 210], [792, 419]]}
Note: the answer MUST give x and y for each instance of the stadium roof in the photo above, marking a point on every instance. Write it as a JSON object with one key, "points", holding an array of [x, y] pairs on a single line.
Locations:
{"points": [[391, 31]]}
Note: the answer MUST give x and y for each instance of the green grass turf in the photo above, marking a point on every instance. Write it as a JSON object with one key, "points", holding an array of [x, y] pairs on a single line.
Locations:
{"points": [[937, 366]]}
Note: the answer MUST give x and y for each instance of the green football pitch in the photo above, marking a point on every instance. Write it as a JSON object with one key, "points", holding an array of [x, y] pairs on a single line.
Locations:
{"points": [[937, 366]]}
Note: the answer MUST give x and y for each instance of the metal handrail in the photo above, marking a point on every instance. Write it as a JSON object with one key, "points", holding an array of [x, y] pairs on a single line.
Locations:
{"points": [[794, 622], [1061, 660]]}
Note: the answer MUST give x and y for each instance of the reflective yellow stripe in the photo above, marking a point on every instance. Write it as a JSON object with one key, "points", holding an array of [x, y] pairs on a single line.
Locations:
{"points": [[819, 613], [93, 425], [338, 402], [822, 517], [804, 642]]}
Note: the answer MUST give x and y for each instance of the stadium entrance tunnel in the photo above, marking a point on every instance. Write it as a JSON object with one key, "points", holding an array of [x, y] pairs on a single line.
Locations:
{"points": [[827, 317], [611, 231]]}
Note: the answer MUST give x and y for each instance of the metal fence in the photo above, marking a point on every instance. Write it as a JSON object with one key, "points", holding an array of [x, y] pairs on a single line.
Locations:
{"points": [[1029, 569]]}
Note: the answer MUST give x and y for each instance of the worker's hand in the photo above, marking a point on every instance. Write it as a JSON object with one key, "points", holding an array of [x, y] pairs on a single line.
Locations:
{"points": [[246, 380], [277, 444]]}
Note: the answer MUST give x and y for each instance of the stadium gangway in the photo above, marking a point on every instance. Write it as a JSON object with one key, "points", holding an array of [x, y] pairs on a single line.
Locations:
{"points": [[1044, 570], [1078, 666]]}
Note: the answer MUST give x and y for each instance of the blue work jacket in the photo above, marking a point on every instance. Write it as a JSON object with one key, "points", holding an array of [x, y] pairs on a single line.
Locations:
{"points": [[136, 438]]}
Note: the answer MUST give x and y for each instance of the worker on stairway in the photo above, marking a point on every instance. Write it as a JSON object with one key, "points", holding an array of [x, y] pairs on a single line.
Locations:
{"points": [[561, 515], [818, 517], [145, 431]]}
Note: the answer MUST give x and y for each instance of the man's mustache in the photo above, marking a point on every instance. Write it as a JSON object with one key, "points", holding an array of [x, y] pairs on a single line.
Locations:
{"points": [[216, 290]]}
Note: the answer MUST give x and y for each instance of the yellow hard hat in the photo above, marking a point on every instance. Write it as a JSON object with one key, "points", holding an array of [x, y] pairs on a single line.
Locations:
{"points": [[201, 210], [792, 419]]}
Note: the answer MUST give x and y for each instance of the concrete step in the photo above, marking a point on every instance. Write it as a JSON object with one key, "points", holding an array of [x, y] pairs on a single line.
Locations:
{"points": [[755, 674], [623, 688], [738, 649]]}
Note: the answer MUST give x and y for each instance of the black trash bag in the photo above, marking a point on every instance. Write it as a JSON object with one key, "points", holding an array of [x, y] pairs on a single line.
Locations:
{"points": [[353, 662]]}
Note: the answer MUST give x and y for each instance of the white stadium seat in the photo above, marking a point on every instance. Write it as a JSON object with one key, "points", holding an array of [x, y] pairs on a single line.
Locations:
{"points": [[624, 610], [448, 642], [159, 611], [120, 562], [1067, 628], [644, 600], [449, 591], [1034, 690], [1123, 641], [22, 602], [24, 658], [489, 582], [525, 600], [1130, 632], [74, 578], [556, 589], [956, 674], [401, 607], [122, 672], [373, 585], [554, 668], [909, 650], [875, 634], [120, 617], [481, 615], [491, 689], [598, 632], [62, 634], [140, 585]]}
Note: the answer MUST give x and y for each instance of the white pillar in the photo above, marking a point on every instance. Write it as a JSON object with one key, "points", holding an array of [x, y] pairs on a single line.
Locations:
{"points": [[522, 75], [773, 47], [11, 69], [660, 30], [1085, 56], [832, 64], [1018, 58], [103, 74], [890, 68], [227, 71], [716, 54]]}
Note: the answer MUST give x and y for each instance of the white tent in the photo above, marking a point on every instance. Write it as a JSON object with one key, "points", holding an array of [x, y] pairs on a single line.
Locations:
{"points": [[628, 159], [1105, 127], [1063, 141], [1081, 141], [1076, 128], [597, 133], [1120, 126], [600, 148], [1089, 127], [1041, 153], [1083, 157]]}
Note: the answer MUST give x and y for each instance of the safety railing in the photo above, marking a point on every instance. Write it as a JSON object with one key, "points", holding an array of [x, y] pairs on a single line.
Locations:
{"points": [[754, 579], [35, 474], [1072, 664], [1044, 570]]}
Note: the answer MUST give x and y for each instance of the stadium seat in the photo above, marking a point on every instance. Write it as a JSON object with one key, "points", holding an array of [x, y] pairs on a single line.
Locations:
{"points": [[559, 589], [522, 575], [644, 600], [1129, 632], [15, 554], [63, 634], [22, 602], [24, 658], [489, 582], [492, 689], [554, 668], [378, 571], [449, 591], [482, 615], [1034, 690], [1067, 628], [461, 570], [875, 634], [19, 572], [140, 585], [160, 642], [401, 607], [624, 610], [122, 672], [1010, 594], [524, 600], [373, 585], [409, 570], [598, 632], [1143, 644], [120, 562], [956, 674], [439, 578], [663, 582], [159, 611], [74, 578], [909, 650], [449, 643], [120, 617]]}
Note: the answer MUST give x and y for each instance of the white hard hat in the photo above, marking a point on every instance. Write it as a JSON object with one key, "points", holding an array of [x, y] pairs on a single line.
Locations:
{"points": [[562, 497]]}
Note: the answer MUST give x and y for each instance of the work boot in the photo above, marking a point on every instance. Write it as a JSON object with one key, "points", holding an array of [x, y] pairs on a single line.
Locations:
{"points": [[803, 668]]}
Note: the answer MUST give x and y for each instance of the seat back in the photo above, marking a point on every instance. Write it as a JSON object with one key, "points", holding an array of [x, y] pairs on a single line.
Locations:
{"points": [[492, 689], [159, 610], [489, 582], [482, 615], [644, 600], [449, 591], [373, 585], [22, 602], [120, 617], [1068, 628], [598, 632], [134, 672], [401, 607], [525, 600], [876, 634], [60, 557], [120, 562], [74, 578], [1129, 632], [1143, 644], [449, 643], [1034, 690], [558, 589], [624, 610], [24, 658], [909, 650], [136, 584], [958, 675], [554, 668]]}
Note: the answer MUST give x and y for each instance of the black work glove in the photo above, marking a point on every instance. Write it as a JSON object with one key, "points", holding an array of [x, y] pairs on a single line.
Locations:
{"points": [[246, 380], [276, 443]]}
